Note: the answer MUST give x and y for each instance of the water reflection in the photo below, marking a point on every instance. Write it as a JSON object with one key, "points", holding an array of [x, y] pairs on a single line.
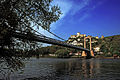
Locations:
{"points": [[68, 69], [78, 69]]}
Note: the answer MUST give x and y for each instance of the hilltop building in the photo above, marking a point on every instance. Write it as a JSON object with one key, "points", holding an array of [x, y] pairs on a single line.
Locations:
{"points": [[81, 35], [73, 36], [97, 49], [78, 40], [102, 37], [97, 37], [78, 35]]}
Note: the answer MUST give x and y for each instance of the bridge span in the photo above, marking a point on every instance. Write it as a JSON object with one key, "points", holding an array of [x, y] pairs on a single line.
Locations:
{"points": [[44, 39]]}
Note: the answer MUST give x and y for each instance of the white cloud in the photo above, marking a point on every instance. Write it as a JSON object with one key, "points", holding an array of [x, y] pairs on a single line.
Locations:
{"points": [[68, 7], [65, 6], [79, 6], [84, 17]]}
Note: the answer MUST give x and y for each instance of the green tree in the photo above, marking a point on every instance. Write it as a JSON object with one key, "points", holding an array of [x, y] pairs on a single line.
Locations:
{"points": [[62, 53], [22, 16]]}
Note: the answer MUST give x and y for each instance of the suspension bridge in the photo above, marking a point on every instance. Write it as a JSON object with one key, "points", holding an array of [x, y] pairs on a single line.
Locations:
{"points": [[42, 38], [45, 39]]}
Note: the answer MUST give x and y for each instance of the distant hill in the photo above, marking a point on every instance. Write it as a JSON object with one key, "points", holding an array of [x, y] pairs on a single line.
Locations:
{"points": [[110, 45]]}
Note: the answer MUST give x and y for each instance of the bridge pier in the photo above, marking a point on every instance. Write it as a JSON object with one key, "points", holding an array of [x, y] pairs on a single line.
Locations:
{"points": [[84, 54], [92, 53], [88, 54]]}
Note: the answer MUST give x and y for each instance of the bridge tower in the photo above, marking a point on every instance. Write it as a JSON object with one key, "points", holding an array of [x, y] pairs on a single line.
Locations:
{"points": [[84, 54]]}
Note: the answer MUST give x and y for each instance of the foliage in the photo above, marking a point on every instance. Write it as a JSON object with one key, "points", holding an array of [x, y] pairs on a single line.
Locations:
{"points": [[49, 50], [110, 45], [62, 53], [22, 16]]}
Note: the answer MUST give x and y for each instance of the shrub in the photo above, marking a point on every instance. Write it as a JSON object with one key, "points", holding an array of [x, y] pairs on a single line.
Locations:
{"points": [[62, 53]]}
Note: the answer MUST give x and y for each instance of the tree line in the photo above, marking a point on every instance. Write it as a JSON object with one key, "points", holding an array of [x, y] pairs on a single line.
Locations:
{"points": [[54, 49]]}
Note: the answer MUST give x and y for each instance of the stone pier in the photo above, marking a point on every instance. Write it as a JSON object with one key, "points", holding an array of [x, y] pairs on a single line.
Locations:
{"points": [[84, 54]]}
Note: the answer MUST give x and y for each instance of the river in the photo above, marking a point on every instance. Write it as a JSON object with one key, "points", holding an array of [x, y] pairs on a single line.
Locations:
{"points": [[68, 69]]}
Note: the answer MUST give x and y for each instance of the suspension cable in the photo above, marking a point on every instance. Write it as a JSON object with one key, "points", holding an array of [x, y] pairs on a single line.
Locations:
{"points": [[55, 35]]}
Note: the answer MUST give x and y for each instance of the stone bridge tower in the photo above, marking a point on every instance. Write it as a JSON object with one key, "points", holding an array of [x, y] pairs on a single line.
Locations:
{"points": [[84, 54]]}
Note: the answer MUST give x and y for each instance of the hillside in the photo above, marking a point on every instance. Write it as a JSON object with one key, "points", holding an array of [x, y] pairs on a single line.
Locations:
{"points": [[110, 45]]}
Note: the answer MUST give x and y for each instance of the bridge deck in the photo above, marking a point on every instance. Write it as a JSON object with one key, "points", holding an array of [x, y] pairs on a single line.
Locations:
{"points": [[44, 39]]}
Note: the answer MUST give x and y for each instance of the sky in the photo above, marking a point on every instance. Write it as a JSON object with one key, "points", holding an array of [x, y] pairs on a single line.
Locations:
{"points": [[90, 17]]}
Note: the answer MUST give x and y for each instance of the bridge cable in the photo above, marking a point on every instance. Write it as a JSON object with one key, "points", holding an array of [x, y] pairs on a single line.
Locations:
{"points": [[45, 29], [55, 35]]}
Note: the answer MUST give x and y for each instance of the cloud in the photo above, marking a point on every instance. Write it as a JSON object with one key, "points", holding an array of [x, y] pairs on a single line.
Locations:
{"points": [[83, 17], [86, 6], [79, 6], [69, 7], [65, 6]]}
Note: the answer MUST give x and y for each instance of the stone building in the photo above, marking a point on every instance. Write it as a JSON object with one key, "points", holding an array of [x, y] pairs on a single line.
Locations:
{"points": [[78, 34], [97, 49], [79, 38], [97, 37], [102, 37], [73, 36], [81, 35]]}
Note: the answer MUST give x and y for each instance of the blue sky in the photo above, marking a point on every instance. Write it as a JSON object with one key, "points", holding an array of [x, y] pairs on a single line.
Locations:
{"points": [[90, 17]]}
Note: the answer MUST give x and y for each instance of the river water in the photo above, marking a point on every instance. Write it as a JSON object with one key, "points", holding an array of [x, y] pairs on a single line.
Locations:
{"points": [[68, 69]]}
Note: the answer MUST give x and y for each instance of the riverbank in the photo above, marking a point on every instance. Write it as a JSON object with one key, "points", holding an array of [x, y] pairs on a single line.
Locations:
{"points": [[103, 57], [100, 57]]}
